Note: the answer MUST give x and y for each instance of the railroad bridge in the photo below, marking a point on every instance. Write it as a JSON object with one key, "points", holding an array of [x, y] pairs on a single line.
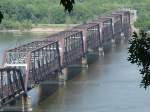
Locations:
{"points": [[32, 63]]}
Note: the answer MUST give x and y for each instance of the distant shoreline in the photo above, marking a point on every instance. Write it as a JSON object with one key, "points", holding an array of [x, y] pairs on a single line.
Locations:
{"points": [[35, 30], [43, 28]]}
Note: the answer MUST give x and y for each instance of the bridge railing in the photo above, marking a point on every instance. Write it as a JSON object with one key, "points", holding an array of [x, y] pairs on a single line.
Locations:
{"points": [[11, 84]]}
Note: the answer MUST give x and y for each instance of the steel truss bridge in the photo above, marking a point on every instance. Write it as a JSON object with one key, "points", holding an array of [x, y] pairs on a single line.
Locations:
{"points": [[28, 65]]}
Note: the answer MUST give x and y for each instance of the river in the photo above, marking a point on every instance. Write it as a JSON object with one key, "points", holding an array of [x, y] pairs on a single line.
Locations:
{"points": [[110, 84]]}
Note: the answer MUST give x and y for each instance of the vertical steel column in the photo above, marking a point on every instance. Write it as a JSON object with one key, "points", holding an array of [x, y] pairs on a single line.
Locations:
{"points": [[27, 71], [61, 50], [1, 85], [84, 40]]}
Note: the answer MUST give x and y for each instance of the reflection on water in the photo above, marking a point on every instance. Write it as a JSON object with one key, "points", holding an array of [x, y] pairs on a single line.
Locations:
{"points": [[109, 84]]}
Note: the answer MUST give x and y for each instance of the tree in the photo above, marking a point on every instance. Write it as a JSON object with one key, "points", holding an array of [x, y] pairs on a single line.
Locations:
{"points": [[1, 16], [139, 53], [68, 4]]}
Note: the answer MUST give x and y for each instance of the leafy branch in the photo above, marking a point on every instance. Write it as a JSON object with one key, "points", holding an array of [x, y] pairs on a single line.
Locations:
{"points": [[1, 16], [139, 53], [68, 4]]}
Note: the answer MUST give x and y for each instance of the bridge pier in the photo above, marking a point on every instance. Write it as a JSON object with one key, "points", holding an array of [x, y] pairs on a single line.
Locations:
{"points": [[121, 37], [113, 41], [84, 62], [26, 103], [62, 76], [68, 73], [101, 51]]}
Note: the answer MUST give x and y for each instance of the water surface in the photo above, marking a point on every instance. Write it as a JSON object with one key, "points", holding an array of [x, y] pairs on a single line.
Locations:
{"points": [[110, 84]]}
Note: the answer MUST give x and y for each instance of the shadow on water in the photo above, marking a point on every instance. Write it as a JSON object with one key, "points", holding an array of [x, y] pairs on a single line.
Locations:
{"points": [[72, 72], [92, 57], [47, 89]]}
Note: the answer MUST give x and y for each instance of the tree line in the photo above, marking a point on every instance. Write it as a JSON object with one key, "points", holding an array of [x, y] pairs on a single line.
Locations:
{"points": [[23, 13]]}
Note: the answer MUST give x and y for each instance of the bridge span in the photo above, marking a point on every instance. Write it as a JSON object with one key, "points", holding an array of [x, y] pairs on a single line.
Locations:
{"points": [[26, 66]]}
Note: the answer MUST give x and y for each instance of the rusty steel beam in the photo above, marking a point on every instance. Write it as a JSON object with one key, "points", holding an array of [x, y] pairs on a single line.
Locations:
{"points": [[29, 46], [106, 29], [91, 35], [126, 25], [73, 49], [43, 62], [116, 23], [70, 45], [20, 54]]}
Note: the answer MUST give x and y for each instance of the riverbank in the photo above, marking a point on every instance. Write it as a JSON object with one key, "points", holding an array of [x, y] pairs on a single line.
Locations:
{"points": [[36, 30], [43, 28]]}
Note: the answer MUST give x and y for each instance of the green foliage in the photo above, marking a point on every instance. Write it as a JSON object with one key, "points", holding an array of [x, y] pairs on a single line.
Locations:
{"points": [[50, 11], [139, 53], [57, 15]]}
